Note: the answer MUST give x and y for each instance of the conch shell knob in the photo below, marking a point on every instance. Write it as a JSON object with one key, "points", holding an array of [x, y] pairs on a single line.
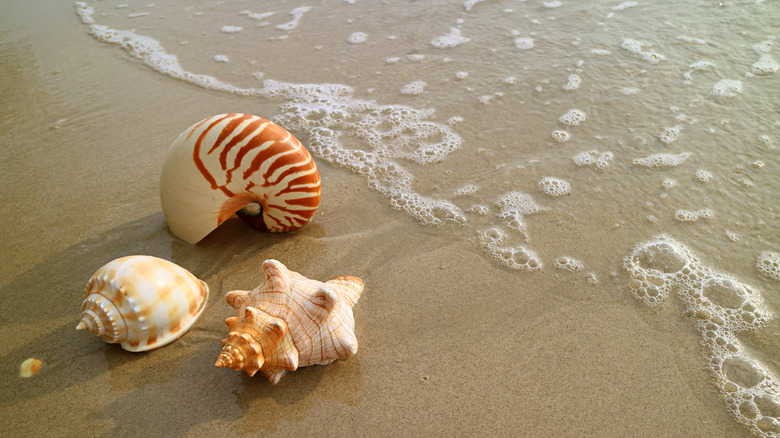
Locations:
{"points": [[290, 321], [237, 163], [142, 302]]}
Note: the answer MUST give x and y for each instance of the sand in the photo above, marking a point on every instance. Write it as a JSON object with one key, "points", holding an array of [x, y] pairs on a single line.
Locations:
{"points": [[451, 342]]}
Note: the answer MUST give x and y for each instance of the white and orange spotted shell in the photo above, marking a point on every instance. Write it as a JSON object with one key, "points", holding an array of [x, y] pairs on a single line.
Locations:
{"points": [[290, 321], [142, 302], [227, 162]]}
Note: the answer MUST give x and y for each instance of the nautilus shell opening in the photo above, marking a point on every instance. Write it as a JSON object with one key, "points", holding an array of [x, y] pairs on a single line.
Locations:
{"points": [[237, 163]]}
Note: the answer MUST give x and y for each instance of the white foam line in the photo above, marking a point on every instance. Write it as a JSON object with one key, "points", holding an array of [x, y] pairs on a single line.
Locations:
{"points": [[297, 13], [154, 56]]}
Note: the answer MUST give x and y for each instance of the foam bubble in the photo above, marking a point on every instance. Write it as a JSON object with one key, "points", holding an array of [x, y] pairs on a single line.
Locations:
{"points": [[552, 4], [763, 47], [524, 43], [561, 136], [692, 216], [636, 47], [703, 176], [669, 183], [453, 39], [518, 203], [85, 13], [768, 405], [743, 371], [221, 58], [568, 264], [600, 52], [573, 117], [701, 66], [412, 88], [724, 292], [768, 264], [468, 189], [653, 267], [727, 88], [479, 209], [764, 65], [461, 75], [662, 160], [514, 257], [554, 186], [230, 29], [573, 83], [514, 206], [629, 91], [593, 158], [669, 135], [357, 38]]}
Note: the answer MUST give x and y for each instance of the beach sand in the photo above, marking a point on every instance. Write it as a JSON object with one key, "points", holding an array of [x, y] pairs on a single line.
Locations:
{"points": [[451, 342]]}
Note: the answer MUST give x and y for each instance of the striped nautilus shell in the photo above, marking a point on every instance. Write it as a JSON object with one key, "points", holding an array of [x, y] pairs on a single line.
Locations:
{"points": [[237, 163], [142, 302], [290, 321]]}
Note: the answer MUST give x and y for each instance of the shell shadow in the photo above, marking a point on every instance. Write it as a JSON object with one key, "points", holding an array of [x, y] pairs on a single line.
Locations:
{"points": [[196, 392], [72, 358]]}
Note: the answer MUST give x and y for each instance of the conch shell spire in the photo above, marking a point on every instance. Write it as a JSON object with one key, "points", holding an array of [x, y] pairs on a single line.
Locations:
{"points": [[290, 321], [90, 324]]}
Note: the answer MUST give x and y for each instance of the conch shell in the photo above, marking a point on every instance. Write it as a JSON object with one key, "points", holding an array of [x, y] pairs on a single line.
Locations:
{"points": [[227, 162], [290, 321], [142, 302]]}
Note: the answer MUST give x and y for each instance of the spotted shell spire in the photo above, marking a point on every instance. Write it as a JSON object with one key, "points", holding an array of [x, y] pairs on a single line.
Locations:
{"points": [[290, 321], [237, 163]]}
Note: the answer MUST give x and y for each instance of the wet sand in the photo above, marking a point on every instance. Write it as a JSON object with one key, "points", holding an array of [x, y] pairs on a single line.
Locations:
{"points": [[451, 343]]}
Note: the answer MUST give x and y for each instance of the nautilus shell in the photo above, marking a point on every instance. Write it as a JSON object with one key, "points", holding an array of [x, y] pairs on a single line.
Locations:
{"points": [[237, 163], [142, 302], [290, 321]]}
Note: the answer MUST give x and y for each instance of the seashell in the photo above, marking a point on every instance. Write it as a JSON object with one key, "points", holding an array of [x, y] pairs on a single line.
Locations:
{"points": [[29, 367], [142, 302], [290, 321], [237, 163]]}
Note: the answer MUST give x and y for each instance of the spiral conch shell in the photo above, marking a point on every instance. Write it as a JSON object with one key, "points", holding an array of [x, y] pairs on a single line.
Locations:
{"points": [[290, 321], [142, 302], [227, 162]]}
